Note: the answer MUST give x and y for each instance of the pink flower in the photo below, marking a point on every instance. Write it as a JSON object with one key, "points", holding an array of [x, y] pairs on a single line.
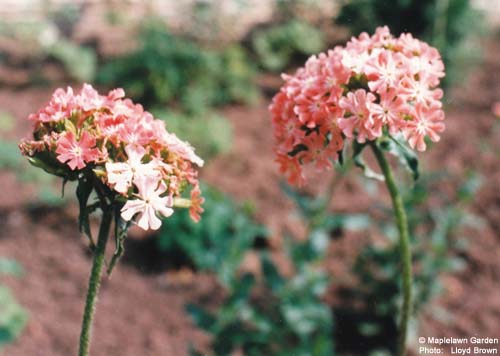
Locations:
{"points": [[181, 148], [390, 110], [420, 92], [89, 99], [358, 105], [77, 153], [149, 205], [59, 107], [292, 168], [384, 71], [196, 201], [131, 151], [427, 121], [375, 83]]}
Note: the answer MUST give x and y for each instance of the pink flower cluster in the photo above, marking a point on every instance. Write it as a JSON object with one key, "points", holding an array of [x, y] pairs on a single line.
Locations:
{"points": [[374, 84], [129, 151]]}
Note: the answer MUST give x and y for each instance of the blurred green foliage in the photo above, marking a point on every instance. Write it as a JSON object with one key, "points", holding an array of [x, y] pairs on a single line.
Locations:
{"points": [[453, 26], [79, 62], [13, 317], [12, 160], [435, 230], [47, 39], [270, 313], [210, 133], [219, 241], [168, 69], [273, 314], [276, 46]]}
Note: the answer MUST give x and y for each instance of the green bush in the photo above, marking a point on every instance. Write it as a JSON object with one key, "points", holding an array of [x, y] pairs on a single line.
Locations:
{"points": [[453, 26], [274, 315], [276, 46], [166, 69], [218, 242]]}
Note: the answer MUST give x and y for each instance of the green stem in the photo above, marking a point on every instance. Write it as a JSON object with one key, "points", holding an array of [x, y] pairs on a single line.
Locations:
{"points": [[404, 246], [95, 281]]}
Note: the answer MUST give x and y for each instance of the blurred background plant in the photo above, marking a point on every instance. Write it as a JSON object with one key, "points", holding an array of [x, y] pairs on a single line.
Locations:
{"points": [[13, 317], [277, 45], [178, 72], [45, 42], [269, 313], [438, 231], [47, 192], [439, 22]]}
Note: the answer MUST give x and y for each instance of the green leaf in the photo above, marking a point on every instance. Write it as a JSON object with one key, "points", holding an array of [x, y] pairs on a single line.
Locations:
{"points": [[357, 149], [405, 154], [201, 317], [271, 274]]}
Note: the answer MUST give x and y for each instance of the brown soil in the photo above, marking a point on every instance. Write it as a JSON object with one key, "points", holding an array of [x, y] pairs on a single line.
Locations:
{"points": [[142, 313]]}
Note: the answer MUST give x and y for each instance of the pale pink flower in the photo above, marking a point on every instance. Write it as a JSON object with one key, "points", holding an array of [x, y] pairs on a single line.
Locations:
{"points": [[419, 92], [427, 121], [389, 110], [358, 105], [149, 204], [89, 99], [181, 148], [384, 71], [76, 153], [122, 174]]}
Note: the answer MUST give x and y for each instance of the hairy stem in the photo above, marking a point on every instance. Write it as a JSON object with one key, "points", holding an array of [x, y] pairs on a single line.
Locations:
{"points": [[95, 281], [404, 246]]}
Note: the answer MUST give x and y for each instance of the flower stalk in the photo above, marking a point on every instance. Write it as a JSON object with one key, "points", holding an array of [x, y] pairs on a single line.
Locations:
{"points": [[404, 247], [95, 281]]}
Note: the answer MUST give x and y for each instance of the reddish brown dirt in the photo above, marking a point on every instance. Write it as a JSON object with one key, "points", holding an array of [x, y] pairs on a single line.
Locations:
{"points": [[143, 314]]}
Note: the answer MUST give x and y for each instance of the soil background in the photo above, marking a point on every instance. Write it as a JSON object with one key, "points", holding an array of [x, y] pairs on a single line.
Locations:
{"points": [[141, 309]]}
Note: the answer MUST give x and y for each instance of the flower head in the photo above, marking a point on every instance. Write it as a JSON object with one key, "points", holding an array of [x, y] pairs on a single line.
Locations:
{"points": [[141, 165], [374, 85]]}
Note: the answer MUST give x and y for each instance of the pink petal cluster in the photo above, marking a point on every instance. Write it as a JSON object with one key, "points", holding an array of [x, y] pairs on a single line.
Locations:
{"points": [[374, 84], [123, 145]]}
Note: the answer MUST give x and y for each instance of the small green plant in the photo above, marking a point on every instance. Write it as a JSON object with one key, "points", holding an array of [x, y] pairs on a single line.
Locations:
{"points": [[167, 69], [218, 242], [274, 315], [276, 46], [13, 317]]}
